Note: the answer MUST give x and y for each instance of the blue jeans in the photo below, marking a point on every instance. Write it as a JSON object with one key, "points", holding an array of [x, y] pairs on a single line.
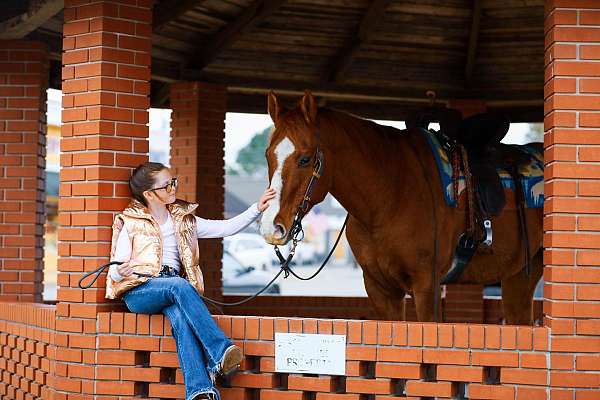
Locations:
{"points": [[200, 343]]}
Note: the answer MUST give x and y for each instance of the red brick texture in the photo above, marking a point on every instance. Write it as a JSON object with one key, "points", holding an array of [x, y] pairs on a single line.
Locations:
{"points": [[571, 139], [27, 351], [85, 349], [104, 135], [23, 84], [197, 159], [464, 303], [361, 308], [106, 74], [383, 358]]}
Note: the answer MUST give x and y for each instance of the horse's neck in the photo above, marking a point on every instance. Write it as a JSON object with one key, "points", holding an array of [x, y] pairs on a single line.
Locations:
{"points": [[369, 169]]}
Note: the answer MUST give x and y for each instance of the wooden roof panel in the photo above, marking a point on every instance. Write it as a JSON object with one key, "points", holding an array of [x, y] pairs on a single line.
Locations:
{"points": [[361, 48]]}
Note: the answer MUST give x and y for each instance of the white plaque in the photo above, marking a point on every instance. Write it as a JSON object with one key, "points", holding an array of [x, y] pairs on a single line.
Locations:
{"points": [[310, 354]]}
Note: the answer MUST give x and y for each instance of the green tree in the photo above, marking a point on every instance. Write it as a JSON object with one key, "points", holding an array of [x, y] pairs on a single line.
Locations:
{"points": [[535, 133], [229, 170], [251, 158]]}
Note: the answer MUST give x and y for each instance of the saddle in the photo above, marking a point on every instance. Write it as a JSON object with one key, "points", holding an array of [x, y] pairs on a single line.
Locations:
{"points": [[480, 135], [476, 142]]}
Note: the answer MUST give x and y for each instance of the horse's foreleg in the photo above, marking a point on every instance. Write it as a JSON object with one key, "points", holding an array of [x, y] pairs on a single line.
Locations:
{"points": [[389, 304], [424, 304], [517, 293], [425, 301]]}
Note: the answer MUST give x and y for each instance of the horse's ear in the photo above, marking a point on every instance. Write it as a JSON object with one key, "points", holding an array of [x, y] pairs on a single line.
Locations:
{"points": [[309, 107], [275, 110]]}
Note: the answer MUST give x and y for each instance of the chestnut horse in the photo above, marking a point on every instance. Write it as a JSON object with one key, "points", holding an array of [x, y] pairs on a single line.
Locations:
{"points": [[387, 180]]}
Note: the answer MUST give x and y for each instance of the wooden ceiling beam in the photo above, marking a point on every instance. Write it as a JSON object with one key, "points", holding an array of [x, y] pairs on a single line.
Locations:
{"points": [[346, 55], [394, 111], [412, 90], [38, 12], [169, 10], [473, 40], [257, 12]]}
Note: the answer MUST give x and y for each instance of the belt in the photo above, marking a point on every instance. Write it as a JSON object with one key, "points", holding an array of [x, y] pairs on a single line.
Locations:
{"points": [[167, 271]]}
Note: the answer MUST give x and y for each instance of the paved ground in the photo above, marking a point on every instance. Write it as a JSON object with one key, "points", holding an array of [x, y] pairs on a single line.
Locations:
{"points": [[333, 280]]}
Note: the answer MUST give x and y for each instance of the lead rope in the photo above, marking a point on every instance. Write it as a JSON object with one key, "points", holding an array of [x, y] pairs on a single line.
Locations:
{"points": [[284, 267], [289, 270], [99, 270]]}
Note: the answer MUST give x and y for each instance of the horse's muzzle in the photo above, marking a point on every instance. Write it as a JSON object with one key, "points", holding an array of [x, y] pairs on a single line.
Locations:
{"points": [[280, 232], [278, 237]]}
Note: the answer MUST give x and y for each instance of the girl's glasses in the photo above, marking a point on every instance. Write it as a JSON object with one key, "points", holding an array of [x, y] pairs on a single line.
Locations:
{"points": [[169, 187]]}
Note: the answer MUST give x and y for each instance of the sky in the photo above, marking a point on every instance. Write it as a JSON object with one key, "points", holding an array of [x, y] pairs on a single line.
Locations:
{"points": [[239, 129]]}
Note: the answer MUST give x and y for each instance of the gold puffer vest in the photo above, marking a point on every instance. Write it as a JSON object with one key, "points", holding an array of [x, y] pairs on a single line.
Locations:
{"points": [[146, 242]]}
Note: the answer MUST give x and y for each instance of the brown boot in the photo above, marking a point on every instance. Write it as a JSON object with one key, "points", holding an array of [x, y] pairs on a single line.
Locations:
{"points": [[231, 360]]}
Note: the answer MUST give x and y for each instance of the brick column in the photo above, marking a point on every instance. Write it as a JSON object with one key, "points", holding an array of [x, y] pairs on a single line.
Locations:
{"points": [[23, 84], [572, 190], [197, 158], [106, 77]]}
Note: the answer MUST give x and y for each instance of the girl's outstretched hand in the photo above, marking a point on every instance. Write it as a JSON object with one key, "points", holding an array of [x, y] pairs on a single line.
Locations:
{"points": [[263, 202]]}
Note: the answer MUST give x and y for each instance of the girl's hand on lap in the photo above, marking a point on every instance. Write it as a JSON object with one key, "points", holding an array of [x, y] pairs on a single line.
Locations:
{"points": [[125, 269]]}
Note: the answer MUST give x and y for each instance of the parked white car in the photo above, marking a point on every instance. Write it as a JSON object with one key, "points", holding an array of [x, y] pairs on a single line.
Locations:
{"points": [[244, 279], [250, 249], [306, 253]]}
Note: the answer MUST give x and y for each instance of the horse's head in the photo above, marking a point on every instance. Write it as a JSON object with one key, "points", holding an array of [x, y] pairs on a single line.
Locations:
{"points": [[291, 154]]}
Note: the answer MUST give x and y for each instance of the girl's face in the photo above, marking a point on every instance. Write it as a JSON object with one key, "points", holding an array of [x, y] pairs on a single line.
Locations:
{"points": [[164, 189]]}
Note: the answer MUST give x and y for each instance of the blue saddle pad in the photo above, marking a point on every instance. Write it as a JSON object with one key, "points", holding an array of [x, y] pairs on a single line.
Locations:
{"points": [[532, 174]]}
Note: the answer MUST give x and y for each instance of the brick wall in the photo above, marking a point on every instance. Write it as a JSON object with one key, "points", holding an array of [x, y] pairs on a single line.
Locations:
{"points": [[23, 84], [464, 303], [197, 158], [27, 351], [360, 308], [85, 349], [571, 222], [386, 359]]}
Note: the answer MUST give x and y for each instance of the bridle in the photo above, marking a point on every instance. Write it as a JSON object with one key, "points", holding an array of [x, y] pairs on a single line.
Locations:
{"points": [[296, 231], [306, 200]]}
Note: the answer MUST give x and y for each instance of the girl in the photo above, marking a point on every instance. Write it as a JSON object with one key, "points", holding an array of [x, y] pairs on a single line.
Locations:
{"points": [[156, 239]]}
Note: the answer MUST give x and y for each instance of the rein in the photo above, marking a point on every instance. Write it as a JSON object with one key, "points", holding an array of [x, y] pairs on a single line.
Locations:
{"points": [[284, 269], [297, 229], [296, 233]]}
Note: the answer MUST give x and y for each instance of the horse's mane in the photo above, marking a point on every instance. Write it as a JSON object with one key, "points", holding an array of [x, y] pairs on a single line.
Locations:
{"points": [[381, 141], [355, 119], [376, 137]]}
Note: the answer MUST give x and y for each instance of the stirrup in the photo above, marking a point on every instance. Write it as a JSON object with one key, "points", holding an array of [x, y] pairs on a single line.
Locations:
{"points": [[464, 251]]}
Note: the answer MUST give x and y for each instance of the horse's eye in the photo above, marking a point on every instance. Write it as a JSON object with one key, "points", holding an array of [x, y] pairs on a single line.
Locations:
{"points": [[303, 162]]}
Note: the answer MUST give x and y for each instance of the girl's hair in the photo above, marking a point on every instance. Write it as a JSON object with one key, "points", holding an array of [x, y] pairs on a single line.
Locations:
{"points": [[142, 179]]}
